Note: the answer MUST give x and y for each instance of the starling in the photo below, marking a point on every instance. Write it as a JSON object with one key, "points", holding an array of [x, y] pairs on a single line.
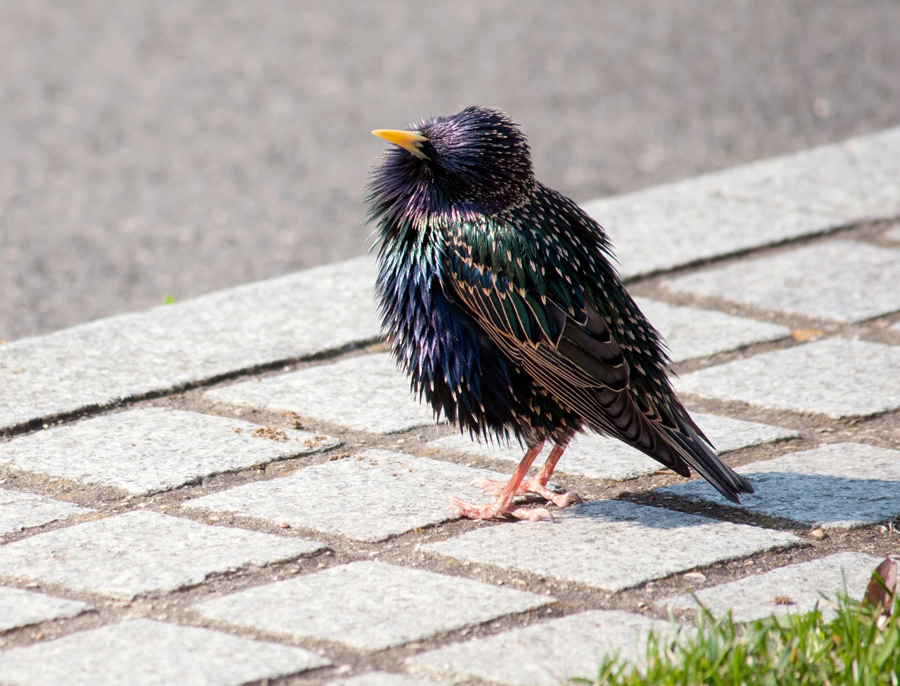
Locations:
{"points": [[501, 301]]}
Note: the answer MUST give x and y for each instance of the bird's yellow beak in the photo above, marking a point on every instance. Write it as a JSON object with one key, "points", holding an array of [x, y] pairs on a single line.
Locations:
{"points": [[408, 140]]}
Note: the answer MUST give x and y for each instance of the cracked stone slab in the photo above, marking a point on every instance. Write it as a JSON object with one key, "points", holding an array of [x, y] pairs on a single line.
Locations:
{"points": [[171, 346], [21, 608], [549, 653], [23, 510], [847, 281], [840, 485], [598, 457], [836, 377], [154, 449], [612, 544], [143, 652], [140, 553], [691, 332], [367, 392], [367, 497], [754, 205], [793, 589], [369, 605]]}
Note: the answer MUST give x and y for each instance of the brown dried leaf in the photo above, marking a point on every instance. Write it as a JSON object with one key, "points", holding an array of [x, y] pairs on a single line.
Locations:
{"points": [[883, 586], [805, 334]]}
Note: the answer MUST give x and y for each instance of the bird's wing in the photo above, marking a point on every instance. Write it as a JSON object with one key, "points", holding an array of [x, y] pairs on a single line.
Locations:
{"points": [[571, 351]]}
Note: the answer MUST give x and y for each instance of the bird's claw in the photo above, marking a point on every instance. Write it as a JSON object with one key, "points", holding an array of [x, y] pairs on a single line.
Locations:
{"points": [[498, 508], [561, 500], [487, 486], [534, 514], [565, 499]]}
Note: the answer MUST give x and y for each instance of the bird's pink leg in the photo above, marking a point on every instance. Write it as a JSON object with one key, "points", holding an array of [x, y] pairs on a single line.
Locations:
{"points": [[503, 504], [538, 483]]}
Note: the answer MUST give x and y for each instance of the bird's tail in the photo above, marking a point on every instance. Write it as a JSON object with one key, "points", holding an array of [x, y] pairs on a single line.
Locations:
{"points": [[694, 449], [679, 444]]}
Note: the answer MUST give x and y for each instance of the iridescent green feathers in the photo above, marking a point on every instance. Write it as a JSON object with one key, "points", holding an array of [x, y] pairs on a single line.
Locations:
{"points": [[503, 304]]}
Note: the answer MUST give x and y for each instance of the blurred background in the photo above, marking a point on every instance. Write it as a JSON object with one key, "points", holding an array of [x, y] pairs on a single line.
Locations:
{"points": [[156, 148]]}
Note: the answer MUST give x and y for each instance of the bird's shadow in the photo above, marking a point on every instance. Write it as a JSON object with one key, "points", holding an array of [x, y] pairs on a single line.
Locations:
{"points": [[806, 499]]}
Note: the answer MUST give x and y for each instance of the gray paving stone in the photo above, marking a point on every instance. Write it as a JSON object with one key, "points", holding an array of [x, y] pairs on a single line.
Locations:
{"points": [[549, 653], [835, 377], [598, 457], [153, 449], [172, 345], [142, 652], [805, 584], [367, 497], [369, 605], [381, 679], [141, 552], [21, 608], [893, 234], [611, 544], [23, 510], [855, 178], [847, 281], [754, 205], [710, 224], [366, 392], [692, 332], [839, 485]]}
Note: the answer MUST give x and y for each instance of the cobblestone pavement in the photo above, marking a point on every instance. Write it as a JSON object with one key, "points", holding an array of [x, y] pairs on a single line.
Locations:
{"points": [[178, 147], [239, 488]]}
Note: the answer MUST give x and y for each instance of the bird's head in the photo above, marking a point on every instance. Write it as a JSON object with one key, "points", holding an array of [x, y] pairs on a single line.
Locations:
{"points": [[476, 161]]}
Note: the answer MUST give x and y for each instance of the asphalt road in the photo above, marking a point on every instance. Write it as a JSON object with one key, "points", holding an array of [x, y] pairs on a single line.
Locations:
{"points": [[166, 147]]}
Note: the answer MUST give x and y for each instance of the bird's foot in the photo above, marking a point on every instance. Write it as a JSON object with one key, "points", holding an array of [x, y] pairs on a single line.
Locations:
{"points": [[561, 500], [501, 506]]}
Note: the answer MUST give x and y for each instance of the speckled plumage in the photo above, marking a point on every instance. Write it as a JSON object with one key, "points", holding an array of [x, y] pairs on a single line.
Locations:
{"points": [[501, 301]]}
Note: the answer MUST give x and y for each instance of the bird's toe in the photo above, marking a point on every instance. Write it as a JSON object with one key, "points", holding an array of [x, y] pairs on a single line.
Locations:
{"points": [[565, 499], [488, 486], [499, 508], [561, 500], [531, 514]]}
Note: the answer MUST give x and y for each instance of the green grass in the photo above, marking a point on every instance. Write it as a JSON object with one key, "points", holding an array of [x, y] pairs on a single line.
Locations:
{"points": [[853, 648]]}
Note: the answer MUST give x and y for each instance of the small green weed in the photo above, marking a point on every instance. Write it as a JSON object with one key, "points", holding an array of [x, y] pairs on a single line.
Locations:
{"points": [[859, 646]]}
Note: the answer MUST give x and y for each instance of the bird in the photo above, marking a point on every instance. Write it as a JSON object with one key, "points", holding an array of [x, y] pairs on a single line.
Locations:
{"points": [[501, 300]]}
